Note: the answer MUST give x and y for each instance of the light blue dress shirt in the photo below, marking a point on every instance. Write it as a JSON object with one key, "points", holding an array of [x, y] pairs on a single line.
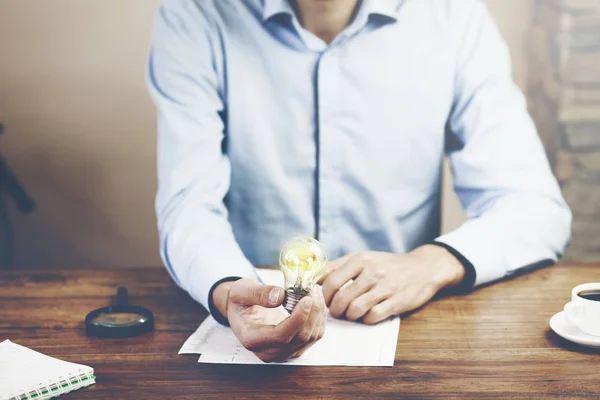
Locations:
{"points": [[266, 133]]}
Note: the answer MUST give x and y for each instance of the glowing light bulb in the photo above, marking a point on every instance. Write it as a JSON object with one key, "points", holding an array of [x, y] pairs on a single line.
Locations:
{"points": [[303, 261]]}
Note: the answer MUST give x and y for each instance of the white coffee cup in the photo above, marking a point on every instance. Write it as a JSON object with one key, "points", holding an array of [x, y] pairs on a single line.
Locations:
{"points": [[584, 313]]}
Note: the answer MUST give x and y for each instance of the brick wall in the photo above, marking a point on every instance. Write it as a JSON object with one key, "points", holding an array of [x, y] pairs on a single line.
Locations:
{"points": [[564, 98]]}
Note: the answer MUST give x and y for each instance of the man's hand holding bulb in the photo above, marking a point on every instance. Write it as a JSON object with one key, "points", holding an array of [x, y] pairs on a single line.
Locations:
{"points": [[253, 309], [253, 312], [366, 286]]}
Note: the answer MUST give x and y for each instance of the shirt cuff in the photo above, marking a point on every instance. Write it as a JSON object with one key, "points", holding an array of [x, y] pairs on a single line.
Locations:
{"points": [[220, 318], [484, 254], [466, 285]]}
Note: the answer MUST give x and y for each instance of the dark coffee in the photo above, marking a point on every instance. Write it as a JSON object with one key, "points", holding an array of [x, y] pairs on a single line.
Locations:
{"points": [[593, 295]]}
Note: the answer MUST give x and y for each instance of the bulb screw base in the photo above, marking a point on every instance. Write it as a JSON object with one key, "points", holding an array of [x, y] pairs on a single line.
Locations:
{"points": [[292, 298]]}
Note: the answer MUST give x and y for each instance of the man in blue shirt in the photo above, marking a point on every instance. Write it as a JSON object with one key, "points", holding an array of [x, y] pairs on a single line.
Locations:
{"points": [[331, 118]]}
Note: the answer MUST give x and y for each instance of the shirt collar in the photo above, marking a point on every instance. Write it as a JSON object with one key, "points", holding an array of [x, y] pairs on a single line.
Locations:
{"points": [[386, 8], [272, 8]]}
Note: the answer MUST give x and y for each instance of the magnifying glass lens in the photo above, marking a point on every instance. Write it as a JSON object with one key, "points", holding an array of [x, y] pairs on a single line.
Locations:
{"points": [[119, 319]]}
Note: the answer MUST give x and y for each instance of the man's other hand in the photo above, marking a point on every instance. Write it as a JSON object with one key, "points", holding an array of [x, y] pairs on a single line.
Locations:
{"points": [[372, 286], [268, 331]]}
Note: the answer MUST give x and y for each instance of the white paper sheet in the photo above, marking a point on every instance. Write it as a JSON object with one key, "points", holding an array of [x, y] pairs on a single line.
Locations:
{"points": [[345, 343]]}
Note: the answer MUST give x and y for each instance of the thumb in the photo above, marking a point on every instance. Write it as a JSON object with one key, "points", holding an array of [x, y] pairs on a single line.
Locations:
{"points": [[248, 292]]}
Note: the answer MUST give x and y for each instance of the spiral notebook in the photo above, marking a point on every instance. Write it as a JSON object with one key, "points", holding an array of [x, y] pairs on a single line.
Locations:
{"points": [[27, 374]]}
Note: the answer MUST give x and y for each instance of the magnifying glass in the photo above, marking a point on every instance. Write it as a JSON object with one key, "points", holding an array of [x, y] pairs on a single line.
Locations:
{"points": [[119, 321]]}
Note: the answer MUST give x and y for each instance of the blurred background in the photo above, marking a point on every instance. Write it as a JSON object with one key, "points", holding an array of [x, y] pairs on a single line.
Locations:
{"points": [[81, 135]]}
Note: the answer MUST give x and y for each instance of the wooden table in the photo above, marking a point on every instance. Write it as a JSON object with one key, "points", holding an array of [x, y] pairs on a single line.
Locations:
{"points": [[494, 343]]}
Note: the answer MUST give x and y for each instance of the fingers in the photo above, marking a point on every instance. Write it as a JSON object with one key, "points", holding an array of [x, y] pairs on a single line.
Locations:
{"points": [[348, 294], [249, 293], [265, 336], [363, 303], [312, 331], [322, 325], [381, 311], [317, 334], [398, 304], [339, 277], [311, 328], [335, 264]]}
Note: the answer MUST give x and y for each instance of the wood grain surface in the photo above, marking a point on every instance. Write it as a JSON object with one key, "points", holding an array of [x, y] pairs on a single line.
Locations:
{"points": [[493, 343]]}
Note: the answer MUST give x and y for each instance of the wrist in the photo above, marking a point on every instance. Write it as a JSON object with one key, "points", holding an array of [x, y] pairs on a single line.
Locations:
{"points": [[220, 297], [448, 271]]}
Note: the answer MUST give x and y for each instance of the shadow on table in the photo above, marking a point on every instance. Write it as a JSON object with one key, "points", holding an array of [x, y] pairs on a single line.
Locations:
{"points": [[564, 344]]}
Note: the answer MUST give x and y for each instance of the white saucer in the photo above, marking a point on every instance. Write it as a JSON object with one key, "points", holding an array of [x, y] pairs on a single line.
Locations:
{"points": [[571, 333]]}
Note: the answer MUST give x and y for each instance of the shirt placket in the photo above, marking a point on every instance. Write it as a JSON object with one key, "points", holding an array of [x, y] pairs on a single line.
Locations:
{"points": [[328, 91]]}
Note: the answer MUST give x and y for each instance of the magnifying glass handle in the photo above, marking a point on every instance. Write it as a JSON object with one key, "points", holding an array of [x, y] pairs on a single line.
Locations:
{"points": [[122, 296]]}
